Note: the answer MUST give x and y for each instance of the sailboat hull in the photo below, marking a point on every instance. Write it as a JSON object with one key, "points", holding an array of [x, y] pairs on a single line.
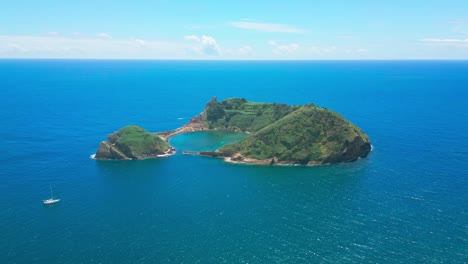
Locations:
{"points": [[51, 201]]}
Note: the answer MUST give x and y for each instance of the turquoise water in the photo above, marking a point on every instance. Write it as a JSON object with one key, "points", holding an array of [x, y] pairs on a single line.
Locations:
{"points": [[204, 141], [405, 203]]}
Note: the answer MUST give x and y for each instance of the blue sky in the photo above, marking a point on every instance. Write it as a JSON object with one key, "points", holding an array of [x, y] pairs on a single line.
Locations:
{"points": [[358, 29]]}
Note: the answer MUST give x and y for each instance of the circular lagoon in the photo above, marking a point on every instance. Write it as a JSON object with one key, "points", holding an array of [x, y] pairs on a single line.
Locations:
{"points": [[205, 140]]}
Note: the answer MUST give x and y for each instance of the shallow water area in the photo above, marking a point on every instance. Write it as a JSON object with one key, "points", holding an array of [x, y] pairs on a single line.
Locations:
{"points": [[204, 140]]}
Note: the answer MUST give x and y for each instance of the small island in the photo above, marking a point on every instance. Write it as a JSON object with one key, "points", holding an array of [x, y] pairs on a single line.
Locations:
{"points": [[279, 134], [133, 142]]}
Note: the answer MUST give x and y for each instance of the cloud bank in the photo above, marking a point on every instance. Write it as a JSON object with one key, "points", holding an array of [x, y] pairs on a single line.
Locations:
{"points": [[102, 46], [284, 49], [205, 45], [208, 46], [444, 40]]}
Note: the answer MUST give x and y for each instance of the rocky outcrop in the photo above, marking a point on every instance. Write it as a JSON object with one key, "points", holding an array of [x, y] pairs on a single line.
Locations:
{"points": [[358, 148], [133, 142], [109, 151], [237, 157]]}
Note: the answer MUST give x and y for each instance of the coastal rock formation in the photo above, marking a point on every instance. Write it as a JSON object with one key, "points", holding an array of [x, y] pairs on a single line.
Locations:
{"points": [[237, 157], [132, 142]]}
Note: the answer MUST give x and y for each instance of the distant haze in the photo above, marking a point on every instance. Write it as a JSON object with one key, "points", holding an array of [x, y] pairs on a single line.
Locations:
{"points": [[236, 30]]}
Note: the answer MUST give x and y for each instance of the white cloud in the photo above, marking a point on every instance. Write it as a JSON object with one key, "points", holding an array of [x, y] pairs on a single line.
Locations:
{"points": [[77, 46], [192, 37], [141, 42], [245, 51], [266, 27], [347, 36], [206, 45], [458, 21], [25, 46], [447, 46], [210, 45], [460, 29], [194, 47], [321, 51], [444, 40], [103, 35], [283, 49], [357, 53]]}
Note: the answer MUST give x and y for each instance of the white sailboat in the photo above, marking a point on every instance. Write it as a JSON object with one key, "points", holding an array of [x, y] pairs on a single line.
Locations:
{"points": [[51, 200]]}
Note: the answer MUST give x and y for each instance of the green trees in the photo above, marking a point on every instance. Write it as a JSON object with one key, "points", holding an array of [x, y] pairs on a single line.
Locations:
{"points": [[240, 115], [214, 111]]}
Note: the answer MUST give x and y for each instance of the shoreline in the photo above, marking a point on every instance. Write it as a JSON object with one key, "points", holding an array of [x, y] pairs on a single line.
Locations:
{"points": [[253, 163], [250, 161], [172, 151]]}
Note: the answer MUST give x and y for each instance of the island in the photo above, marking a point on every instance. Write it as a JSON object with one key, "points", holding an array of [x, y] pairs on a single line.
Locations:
{"points": [[133, 142], [279, 134]]}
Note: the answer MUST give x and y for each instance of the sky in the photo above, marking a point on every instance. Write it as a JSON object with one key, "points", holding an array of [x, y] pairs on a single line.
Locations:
{"points": [[235, 30]]}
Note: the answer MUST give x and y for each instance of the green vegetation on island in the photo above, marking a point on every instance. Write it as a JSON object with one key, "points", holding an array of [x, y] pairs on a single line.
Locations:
{"points": [[278, 134], [132, 142], [309, 135], [240, 115]]}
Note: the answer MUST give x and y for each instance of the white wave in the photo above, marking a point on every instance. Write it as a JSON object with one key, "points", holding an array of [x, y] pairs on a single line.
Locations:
{"points": [[93, 156], [180, 118]]}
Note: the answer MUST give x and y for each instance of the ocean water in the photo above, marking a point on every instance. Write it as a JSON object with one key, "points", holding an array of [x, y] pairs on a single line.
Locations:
{"points": [[405, 203]]}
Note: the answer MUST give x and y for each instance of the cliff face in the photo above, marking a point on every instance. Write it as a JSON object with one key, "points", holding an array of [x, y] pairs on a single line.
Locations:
{"points": [[132, 142], [109, 151]]}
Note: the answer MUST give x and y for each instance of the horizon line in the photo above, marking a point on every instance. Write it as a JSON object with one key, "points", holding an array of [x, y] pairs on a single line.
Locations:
{"points": [[227, 60]]}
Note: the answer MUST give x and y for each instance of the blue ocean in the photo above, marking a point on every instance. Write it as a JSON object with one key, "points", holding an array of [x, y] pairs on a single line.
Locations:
{"points": [[405, 203]]}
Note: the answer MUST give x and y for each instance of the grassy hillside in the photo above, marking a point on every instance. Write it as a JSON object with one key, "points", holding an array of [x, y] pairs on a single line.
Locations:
{"points": [[131, 142], [309, 134], [239, 115]]}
